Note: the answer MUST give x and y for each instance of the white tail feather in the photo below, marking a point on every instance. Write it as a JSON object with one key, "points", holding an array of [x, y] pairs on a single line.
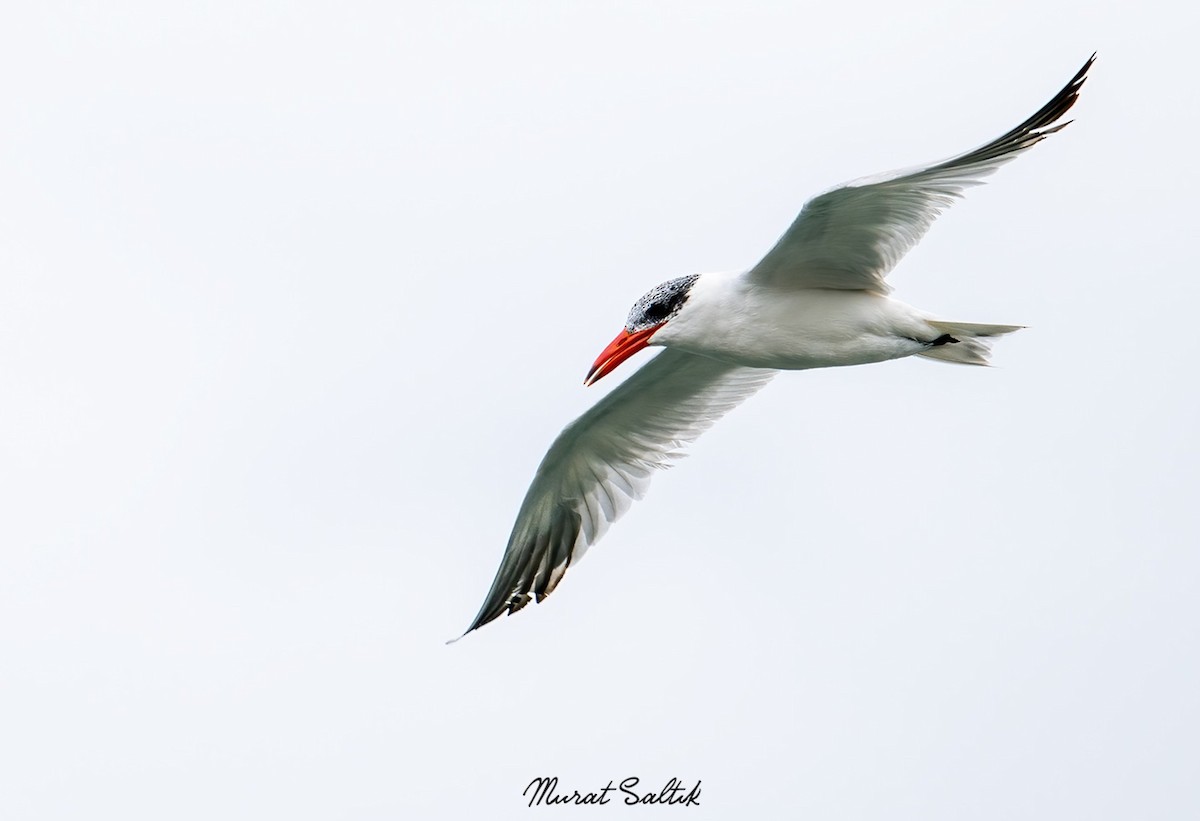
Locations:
{"points": [[968, 344]]}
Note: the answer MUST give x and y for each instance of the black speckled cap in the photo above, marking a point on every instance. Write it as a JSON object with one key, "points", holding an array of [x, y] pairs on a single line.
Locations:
{"points": [[660, 304]]}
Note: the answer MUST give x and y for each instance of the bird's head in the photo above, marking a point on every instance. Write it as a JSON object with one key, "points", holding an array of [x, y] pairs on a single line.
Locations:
{"points": [[647, 316]]}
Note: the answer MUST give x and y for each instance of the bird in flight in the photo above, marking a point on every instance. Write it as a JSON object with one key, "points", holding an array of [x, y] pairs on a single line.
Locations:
{"points": [[818, 299]]}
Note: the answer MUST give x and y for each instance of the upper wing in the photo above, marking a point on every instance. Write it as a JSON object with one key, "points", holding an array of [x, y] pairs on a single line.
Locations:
{"points": [[603, 461], [849, 238]]}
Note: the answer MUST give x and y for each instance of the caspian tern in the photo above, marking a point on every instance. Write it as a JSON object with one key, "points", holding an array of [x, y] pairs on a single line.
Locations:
{"points": [[816, 300]]}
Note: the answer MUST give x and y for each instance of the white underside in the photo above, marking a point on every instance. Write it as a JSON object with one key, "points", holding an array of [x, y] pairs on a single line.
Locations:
{"points": [[725, 318]]}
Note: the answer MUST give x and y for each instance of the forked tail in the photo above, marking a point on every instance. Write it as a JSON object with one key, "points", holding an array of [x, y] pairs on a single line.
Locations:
{"points": [[966, 343]]}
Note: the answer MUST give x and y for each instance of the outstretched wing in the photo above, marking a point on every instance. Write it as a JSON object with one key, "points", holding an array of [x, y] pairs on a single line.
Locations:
{"points": [[603, 461], [849, 238]]}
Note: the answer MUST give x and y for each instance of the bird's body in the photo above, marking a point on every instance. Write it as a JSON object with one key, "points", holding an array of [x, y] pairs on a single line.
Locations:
{"points": [[729, 319], [817, 299]]}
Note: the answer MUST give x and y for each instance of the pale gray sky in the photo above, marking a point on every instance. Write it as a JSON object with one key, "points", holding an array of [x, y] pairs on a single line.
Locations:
{"points": [[296, 295]]}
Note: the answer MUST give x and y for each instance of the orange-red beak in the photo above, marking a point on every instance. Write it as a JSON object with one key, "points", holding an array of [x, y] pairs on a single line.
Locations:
{"points": [[624, 346]]}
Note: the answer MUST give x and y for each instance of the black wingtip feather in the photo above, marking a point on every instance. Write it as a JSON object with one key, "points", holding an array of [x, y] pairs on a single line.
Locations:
{"points": [[1035, 129], [1059, 104], [533, 587]]}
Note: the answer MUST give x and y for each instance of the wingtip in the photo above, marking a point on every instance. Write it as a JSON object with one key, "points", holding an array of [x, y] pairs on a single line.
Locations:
{"points": [[459, 638], [1081, 76]]}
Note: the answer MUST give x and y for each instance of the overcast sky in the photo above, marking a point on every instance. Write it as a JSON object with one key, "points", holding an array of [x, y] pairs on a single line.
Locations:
{"points": [[295, 296]]}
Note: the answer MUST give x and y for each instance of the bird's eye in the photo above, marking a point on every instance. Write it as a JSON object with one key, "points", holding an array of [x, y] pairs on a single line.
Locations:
{"points": [[656, 311]]}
